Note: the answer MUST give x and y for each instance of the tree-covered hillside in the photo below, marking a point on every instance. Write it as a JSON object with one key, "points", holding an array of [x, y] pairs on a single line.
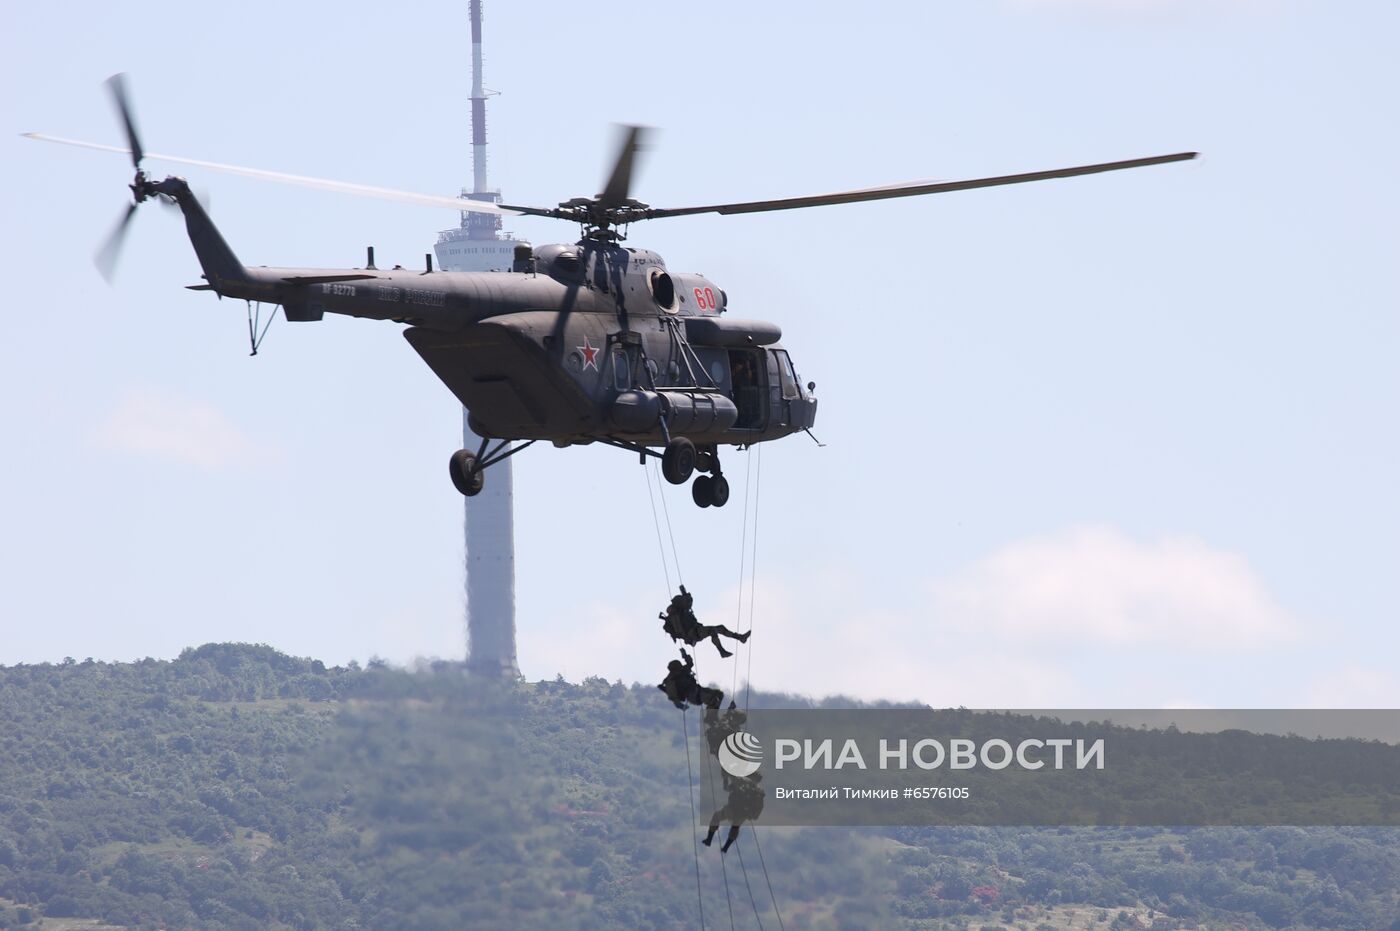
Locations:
{"points": [[236, 787]]}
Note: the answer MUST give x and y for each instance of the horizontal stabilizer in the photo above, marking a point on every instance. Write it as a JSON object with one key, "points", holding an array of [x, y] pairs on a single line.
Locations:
{"points": [[199, 287]]}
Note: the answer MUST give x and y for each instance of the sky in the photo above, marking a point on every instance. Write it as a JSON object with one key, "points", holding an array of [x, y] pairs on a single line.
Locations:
{"points": [[1119, 441]]}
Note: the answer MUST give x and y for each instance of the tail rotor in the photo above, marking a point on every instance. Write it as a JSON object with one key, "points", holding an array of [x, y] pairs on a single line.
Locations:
{"points": [[116, 84], [106, 257], [141, 186]]}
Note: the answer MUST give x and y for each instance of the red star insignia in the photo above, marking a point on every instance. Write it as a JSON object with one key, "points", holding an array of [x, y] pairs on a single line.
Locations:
{"points": [[590, 355]]}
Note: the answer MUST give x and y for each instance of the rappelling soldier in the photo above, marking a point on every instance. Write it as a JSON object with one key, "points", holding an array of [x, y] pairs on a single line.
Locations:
{"points": [[680, 622], [718, 727], [680, 686], [745, 803]]}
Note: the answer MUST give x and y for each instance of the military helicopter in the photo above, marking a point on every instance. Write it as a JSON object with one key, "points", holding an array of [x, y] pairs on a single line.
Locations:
{"points": [[585, 342]]}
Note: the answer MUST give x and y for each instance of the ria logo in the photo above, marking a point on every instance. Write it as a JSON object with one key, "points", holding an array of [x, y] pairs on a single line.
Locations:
{"points": [[741, 754]]}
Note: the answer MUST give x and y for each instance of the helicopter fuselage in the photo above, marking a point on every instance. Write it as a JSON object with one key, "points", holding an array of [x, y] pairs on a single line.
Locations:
{"points": [[581, 342]]}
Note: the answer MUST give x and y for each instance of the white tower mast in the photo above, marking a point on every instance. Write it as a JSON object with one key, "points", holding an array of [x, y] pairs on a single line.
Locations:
{"points": [[479, 245]]}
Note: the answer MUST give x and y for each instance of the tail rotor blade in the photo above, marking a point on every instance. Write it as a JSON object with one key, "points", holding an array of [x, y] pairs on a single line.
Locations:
{"points": [[106, 257], [117, 85]]}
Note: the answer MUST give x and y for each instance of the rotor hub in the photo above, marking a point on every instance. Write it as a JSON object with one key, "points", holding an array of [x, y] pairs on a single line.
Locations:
{"points": [[600, 220], [142, 188]]}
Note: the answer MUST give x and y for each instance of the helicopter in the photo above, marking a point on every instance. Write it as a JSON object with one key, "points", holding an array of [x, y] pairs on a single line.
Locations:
{"points": [[583, 342]]}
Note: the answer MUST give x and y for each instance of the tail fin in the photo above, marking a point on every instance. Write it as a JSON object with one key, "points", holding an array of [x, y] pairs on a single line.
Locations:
{"points": [[221, 266]]}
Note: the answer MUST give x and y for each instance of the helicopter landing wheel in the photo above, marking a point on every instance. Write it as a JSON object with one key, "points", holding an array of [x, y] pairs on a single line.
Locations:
{"points": [[702, 491], [465, 475], [678, 462], [705, 459], [710, 491], [719, 491]]}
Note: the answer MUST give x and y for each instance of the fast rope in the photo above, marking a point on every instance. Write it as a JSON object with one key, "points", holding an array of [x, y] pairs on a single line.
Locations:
{"points": [[675, 556], [724, 870], [728, 899], [685, 729], [755, 466], [753, 572], [747, 559], [769, 881], [747, 885], [694, 843], [657, 524], [743, 554]]}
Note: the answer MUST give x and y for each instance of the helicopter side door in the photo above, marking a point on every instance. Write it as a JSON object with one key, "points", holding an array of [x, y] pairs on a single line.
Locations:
{"points": [[747, 378]]}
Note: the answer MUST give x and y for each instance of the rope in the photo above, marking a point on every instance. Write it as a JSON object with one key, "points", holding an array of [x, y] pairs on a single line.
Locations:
{"points": [[751, 557], [724, 870], [728, 900], [756, 846], [657, 524], [752, 901], [694, 843], [753, 575], [743, 553], [675, 556], [752, 481]]}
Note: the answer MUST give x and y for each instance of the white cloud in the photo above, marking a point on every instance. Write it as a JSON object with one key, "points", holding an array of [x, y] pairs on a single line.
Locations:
{"points": [[1096, 586], [829, 636], [147, 422], [1353, 687]]}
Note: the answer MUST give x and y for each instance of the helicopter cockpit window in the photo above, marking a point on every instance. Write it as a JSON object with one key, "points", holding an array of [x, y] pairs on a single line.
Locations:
{"points": [[787, 376], [622, 370]]}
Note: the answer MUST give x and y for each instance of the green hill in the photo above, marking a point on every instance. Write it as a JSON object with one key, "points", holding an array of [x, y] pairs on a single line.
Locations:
{"points": [[236, 787]]}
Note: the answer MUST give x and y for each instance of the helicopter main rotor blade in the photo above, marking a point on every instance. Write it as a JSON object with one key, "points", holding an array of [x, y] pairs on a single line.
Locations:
{"points": [[341, 187], [106, 257], [616, 191], [117, 85], [911, 189]]}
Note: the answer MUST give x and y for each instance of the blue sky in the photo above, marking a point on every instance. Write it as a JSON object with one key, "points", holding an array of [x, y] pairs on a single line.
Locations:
{"points": [[1126, 440]]}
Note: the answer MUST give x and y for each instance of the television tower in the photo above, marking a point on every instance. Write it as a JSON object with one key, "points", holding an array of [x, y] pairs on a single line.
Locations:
{"points": [[478, 245]]}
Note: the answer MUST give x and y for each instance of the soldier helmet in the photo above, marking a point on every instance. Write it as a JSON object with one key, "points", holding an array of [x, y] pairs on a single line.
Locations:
{"points": [[674, 665]]}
